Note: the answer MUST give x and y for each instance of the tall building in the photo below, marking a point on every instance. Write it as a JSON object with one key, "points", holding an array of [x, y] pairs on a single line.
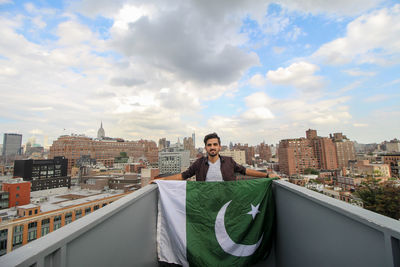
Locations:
{"points": [[188, 144], [296, 155], [171, 162], [393, 146], [163, 143], [101, 133], [264, 151], [238, 155], [325, 152], [345, 149], [75, 146], [194, 139], [311, 134], [43, 174], [12, 144], [249, 150]]}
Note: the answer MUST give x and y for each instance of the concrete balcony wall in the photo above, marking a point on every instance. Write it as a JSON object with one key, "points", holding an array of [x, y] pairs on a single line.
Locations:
{"points": [[316, 230], [122, 233], [312, 230]]}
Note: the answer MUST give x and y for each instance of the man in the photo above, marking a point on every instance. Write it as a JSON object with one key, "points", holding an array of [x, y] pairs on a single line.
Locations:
{"points": [[215, 167]]}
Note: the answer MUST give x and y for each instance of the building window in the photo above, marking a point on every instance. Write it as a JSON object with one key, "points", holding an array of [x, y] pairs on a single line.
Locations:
{"points": [[78, 214], [36, 211], [30, 212], [3, 241], [57, 222], [45, 226], [96, 207], [32, 231], [17, 187], [88, 210], [68, 218], [17, 236], [17, 195]]}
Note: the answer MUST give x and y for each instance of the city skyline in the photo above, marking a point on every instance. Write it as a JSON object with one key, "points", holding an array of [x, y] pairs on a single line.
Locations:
{"points": [[250, 71]]}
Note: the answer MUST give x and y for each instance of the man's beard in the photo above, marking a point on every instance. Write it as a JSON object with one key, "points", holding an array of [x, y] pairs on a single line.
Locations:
{"points": [[212, 155]]}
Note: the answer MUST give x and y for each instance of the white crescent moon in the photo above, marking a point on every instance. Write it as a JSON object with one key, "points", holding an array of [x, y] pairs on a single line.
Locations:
{"points": [[226, 242]]}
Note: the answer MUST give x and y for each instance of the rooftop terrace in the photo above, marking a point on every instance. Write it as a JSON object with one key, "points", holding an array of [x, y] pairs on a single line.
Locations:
{"points": [[312, 230]]}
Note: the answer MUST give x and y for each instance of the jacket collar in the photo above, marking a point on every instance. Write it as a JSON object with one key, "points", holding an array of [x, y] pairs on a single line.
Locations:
{"points": [[221, 158]]}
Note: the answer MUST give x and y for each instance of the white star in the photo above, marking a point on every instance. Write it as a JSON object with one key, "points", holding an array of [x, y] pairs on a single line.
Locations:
{"points": [[254, 210]]}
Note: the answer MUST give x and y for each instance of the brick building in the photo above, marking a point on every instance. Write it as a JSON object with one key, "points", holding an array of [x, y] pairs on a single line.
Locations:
{"points": [[325, 152], [188, 144], [73, 147], [238, 155], [345, 150], [264, 151], [34, 223], [394, 162], [249, 150], [19, 192], [296, 155]]}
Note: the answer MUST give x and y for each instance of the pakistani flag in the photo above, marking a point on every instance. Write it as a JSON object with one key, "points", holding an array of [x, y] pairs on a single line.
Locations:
{"points": [[215, 223]]}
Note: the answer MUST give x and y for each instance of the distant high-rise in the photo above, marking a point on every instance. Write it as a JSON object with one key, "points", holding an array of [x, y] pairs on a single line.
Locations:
{"points": [[311, 134], [101, 133], [194, 139], [297, 155], [345, 150], [12, 144], [188, 144]]}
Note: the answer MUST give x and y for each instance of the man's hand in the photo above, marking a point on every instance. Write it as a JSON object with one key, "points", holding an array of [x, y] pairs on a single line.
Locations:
{"points": [[273, 175], [172, 177], [152, 181]]}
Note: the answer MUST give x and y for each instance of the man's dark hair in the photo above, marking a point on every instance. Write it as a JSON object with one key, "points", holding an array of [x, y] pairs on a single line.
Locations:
{"points": [[211, 136]]}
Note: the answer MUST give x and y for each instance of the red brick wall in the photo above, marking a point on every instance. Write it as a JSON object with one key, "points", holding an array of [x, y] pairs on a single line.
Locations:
{"points": [[22, 189]]}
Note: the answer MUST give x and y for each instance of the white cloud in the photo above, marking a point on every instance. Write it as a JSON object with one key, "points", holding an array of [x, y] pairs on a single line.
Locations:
{"points": [[36, 132], [295, 33], [258, 80], [350, 87], [300, 75], [358, 72], [371, 38], [258, 105]]}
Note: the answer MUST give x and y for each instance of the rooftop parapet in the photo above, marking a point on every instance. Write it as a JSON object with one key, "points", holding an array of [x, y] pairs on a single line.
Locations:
{"points": [[312, 230]]}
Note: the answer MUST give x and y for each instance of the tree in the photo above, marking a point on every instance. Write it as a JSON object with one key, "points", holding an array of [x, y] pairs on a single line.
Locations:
{"points": [[381, 198], [311, 171]]}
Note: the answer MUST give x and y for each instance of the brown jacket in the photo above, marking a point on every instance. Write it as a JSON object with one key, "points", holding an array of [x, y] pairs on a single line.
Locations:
{"points": [[200, 168]]}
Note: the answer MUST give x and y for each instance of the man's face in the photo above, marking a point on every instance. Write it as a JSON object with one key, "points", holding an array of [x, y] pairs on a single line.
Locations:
{"points": [[213, 147]]}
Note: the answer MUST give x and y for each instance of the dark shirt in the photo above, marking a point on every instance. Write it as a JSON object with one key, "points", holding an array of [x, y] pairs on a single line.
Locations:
{"points": [[200, 168]]}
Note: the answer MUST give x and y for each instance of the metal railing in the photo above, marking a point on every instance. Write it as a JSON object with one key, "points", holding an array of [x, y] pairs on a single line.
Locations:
{"points": [[312, 230]]}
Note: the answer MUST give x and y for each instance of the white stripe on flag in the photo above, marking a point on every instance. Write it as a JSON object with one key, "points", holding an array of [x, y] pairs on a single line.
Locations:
{"points": [[171, 226]]}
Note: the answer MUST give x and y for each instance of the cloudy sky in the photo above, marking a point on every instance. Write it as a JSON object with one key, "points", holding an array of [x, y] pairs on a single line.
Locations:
{"points": [[249, 70]]}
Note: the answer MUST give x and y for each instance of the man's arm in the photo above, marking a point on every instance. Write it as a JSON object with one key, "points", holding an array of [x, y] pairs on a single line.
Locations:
{"points": [[255, 173], [177, 176]]}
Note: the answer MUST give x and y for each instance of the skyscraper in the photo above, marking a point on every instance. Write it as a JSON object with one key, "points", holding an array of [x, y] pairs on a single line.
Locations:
{"points": [[101, 133], [194, 139], [12, 144]]}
